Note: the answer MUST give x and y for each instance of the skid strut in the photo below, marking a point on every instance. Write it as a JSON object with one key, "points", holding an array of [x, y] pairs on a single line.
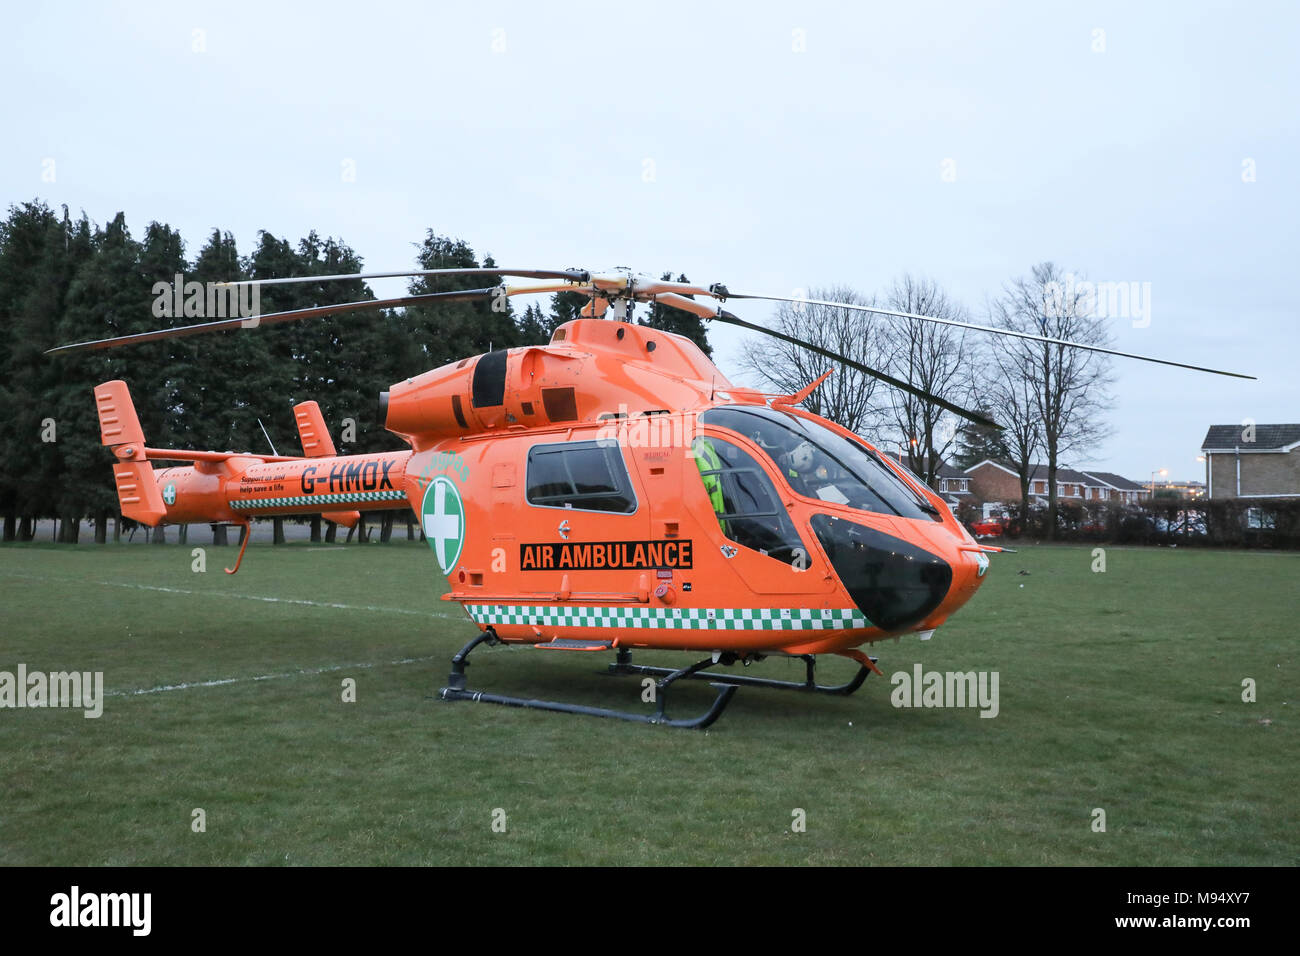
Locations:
{"points": [[624, 665], [456, 690]]}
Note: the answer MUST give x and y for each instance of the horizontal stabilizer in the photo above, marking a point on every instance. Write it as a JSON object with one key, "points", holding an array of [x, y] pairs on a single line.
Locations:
{"points": [[346, 518]]}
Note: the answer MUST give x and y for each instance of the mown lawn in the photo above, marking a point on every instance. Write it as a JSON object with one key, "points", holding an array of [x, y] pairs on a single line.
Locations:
{"points": [[1119, 690]]}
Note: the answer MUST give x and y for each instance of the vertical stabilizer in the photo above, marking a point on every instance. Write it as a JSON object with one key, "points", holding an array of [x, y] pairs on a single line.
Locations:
{"points": [[119, 429], [316, 443]]}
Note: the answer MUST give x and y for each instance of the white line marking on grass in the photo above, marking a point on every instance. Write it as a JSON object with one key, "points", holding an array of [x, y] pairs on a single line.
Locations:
{"points": [[245, 597], [276, 600], [306, 672]]}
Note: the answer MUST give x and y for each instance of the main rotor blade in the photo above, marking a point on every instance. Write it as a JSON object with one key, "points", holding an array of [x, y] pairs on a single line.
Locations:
{"points": [[725, 316], [675, 301], [275, 318], [542, 288], [573, 275], [723, 293], [704, 310]]}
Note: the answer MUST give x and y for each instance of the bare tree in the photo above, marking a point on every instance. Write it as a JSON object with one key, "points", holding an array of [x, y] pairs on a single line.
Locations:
{"points": [[932, 357], [1069, 387], [1009, 394], [848, 396]]}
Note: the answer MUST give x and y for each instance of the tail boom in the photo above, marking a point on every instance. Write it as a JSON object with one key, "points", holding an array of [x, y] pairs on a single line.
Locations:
{"points": [[232, 487]]}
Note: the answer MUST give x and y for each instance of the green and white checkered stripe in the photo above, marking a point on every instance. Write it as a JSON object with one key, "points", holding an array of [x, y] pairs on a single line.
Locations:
{"points": [[311, 501], [675, 618]]}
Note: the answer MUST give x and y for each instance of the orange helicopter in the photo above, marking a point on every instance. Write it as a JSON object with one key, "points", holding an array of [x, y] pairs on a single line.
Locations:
{"points": [[610, 490]]}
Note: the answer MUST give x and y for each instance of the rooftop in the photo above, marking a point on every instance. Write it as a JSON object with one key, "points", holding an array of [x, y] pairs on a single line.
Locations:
{"points": [[1071, 476], [1267, 437]]}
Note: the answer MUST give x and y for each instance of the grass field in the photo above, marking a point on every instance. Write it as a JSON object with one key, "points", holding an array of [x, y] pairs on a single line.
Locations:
{"points": [[1118, 690]]}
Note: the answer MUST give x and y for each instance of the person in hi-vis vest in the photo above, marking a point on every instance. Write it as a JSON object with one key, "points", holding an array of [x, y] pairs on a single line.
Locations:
{"points": [[710, 465]]}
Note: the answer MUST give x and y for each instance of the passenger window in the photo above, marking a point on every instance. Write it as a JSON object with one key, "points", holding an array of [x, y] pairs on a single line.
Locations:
{"points": [[585, 475], [745, 501]]}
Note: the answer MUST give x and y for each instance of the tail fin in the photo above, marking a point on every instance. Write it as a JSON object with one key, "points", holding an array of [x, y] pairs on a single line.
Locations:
{"points": [[119, 429], [316, 443]]}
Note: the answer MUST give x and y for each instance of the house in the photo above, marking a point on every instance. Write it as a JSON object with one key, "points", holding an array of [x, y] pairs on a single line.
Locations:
{"points": [[953, 483], [1252, 461], [994, 481], [1118, 488], [991, 481], [1071, 485]]}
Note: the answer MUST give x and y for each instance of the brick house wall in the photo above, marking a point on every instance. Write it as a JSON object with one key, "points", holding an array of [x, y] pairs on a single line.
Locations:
{"points": [[1262, 473], [988, 482]]}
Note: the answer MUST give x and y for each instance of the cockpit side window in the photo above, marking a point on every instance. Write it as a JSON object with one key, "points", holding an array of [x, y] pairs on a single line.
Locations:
{"points": [[745, 500], [818, 463]]}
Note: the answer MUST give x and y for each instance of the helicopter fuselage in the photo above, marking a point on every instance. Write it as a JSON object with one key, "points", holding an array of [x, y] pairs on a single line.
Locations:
{"points": [[613, 486]]}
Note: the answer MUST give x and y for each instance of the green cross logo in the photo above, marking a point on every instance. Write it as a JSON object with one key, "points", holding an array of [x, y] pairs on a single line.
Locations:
{"points": [[169, 493], [443, 515]]}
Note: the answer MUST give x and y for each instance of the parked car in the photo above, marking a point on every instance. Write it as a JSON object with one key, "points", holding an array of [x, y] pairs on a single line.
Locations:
{"points": [[1191, 523], [988, 527]]}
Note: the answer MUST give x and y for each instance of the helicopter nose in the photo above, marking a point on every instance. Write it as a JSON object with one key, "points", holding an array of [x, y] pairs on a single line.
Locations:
{"points": [[894, 582]]}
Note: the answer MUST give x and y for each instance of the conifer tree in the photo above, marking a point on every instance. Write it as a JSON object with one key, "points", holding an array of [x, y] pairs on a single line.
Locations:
{"points": [[106, 296], [223, 413], [977, 443], [33, 283], [668, 319], [176, 393], [448, 332], [535, 326]]}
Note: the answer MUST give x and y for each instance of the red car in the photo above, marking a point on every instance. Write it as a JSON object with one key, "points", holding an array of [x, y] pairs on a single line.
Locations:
{"points": [[988, 528]]}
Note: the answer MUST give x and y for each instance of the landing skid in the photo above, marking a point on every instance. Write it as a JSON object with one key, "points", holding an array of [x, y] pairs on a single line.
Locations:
{"points": [[624, 665], [725, 684], [456, 690]]}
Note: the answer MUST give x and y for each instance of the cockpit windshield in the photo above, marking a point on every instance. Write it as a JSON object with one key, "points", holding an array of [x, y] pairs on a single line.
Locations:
{"points": [[818, 463]]}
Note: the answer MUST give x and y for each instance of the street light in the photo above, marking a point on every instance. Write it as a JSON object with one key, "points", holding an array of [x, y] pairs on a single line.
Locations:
{"points": [[1162, 472]]}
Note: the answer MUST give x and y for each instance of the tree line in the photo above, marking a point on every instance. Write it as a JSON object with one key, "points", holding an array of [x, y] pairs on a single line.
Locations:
{"points": [[66, 279]]}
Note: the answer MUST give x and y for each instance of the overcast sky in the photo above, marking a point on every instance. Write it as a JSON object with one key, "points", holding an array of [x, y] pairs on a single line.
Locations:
{"points": [[773, 147]]}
